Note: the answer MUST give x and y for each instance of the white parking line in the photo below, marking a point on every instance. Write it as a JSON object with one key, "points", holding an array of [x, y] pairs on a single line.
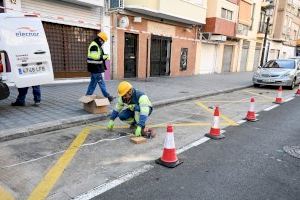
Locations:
{"points": [[289, 99], [194, 144], [241, 121], [271, 107], [109, 185]]}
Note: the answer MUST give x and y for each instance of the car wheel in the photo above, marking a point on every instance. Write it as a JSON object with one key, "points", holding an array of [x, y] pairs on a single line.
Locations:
{"points": [[293, 84], [255, 85]]}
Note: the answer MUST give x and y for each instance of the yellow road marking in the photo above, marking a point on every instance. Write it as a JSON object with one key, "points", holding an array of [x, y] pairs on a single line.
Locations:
{"points": [[265, 96], [184, 124], [49, 180], [4, 195], [231, 122]]}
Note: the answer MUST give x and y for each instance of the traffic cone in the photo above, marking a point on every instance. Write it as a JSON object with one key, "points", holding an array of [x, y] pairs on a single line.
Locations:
{"points": [[251, 113], [169, 158], [279, 98], [215, 132], [298, 91]]}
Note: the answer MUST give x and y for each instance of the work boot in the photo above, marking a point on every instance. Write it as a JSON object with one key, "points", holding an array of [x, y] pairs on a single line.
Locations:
{"points": [[110, 98], [37, 104], [17, 104]]}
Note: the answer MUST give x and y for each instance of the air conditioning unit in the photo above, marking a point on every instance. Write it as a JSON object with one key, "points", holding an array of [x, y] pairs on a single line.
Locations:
{"points": [[116, 4], [221, 38]]}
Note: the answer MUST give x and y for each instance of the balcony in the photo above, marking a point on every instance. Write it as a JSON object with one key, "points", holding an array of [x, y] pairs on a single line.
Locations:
{"points": [[220, 26], [185, 11]]}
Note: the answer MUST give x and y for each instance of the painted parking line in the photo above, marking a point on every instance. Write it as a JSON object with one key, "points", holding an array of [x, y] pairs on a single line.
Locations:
{"points": [[271, 107], [241, 101], [227, 119], [45, 186], [4, 195], [257, 94]]}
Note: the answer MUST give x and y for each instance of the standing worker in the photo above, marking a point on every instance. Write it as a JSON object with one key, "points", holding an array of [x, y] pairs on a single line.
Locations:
{"points": [[133, 107], [36, 91], [96, 65]]}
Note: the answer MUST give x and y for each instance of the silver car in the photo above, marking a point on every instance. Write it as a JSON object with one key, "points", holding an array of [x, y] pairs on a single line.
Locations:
{"points": [[279, 72]]}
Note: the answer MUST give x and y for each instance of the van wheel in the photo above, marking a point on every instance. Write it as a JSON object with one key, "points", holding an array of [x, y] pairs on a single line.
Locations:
{"points": [[293, 84]]}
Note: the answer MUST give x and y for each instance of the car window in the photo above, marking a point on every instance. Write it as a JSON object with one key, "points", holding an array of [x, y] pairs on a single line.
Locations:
{"points": [[285, 64]]}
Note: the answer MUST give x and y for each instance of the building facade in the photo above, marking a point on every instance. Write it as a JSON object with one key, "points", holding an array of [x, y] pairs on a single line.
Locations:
{"points": [[284, 29], [155, 38], [218, 39]]}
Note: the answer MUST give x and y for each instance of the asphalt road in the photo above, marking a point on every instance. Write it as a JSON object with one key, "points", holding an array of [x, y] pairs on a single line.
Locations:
{"points": [[249, 163]]}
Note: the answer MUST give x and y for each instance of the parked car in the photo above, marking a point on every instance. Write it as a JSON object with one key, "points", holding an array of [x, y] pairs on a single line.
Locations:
{"points": [[279, 72]]}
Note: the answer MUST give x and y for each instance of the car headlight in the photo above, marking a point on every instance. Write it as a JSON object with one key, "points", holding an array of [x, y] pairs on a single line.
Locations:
{"points": [[287, 74], [256, 74]]}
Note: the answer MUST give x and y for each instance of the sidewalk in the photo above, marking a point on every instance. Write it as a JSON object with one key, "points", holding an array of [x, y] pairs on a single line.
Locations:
{"points": [[60, 107]]}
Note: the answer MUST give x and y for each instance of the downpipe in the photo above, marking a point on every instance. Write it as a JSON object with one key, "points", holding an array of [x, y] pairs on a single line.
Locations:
{"points": [[4, 91]]}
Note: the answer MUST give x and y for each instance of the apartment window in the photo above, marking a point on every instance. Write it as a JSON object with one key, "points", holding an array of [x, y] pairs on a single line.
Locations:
{"points": [[1, 5], [262, 23], [252, 16], [242, 29], [226, 14]]}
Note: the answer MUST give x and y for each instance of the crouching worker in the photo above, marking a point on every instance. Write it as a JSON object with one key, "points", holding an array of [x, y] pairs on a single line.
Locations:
{"points": [[133, 107]]}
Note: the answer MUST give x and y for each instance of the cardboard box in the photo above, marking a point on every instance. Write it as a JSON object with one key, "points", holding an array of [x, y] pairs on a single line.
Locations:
{"points": [[95, 104]]}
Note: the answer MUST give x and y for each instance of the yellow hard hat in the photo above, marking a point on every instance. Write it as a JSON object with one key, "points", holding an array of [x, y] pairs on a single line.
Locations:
{"points": [[103, 36], [123, 88]]}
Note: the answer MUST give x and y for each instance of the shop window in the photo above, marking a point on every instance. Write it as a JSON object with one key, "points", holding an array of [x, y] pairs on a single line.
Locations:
{"points": [[183, 59]]}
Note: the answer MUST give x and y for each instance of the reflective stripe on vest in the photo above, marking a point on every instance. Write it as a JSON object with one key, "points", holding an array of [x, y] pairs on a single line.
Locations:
{"points": [[94, 55], [94, 62]]}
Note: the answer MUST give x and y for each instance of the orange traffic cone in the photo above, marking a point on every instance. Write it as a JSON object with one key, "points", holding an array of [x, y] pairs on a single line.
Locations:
{"points": [[169, 157], [279, 98], [251, 113], [298, 91], [215, 132]]}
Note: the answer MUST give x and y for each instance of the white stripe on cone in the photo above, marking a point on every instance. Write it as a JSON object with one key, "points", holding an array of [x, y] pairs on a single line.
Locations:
{"points": [[216, 122], [279, 94], [169, 141], [252, 107]]}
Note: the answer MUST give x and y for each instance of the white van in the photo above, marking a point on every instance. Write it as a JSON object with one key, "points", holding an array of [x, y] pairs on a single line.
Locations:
{"points": [[24, 53]]}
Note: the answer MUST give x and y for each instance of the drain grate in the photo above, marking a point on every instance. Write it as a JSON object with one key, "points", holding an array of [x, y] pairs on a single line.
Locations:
{"points": [[292, 150]]}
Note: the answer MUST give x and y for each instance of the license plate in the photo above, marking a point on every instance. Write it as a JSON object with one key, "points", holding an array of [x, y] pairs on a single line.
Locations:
{"points": [[32, 69], [269, 81]]}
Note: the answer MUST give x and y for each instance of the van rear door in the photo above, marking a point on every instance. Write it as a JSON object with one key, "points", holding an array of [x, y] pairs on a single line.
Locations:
{"points": [[24, 41]]}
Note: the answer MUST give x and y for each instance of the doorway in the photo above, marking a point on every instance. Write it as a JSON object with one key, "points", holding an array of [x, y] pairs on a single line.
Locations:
{"points": [[130, 55], [160, 56]]}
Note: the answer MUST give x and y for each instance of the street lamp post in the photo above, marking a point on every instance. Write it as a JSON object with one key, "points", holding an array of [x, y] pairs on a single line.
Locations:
{"points": [[268, 9], [265, 42]]}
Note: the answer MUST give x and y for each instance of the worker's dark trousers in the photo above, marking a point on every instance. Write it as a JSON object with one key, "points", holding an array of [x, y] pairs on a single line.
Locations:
{"points": [[36, 91]]}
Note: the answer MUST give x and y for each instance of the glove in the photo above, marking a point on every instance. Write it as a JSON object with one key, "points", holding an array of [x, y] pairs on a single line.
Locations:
{"points": [[131, 107], [105, 57], [138, 131], [110, 125]]}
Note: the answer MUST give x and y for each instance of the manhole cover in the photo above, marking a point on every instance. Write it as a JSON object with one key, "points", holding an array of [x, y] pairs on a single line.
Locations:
{"points": [[292, 150]]}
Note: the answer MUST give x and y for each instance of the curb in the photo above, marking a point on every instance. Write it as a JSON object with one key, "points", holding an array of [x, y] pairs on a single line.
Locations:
{"points": [[40, 128]]}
